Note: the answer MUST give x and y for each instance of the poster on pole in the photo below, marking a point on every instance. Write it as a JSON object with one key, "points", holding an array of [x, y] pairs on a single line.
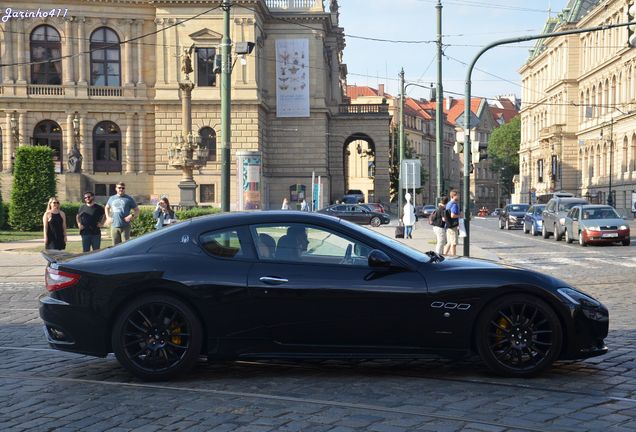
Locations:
{"points": [[292, 77], [410, 173], [249, 180]]}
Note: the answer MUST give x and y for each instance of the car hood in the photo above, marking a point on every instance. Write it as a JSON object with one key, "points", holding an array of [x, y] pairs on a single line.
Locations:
{"points": [[517, 213], [602, 222]]}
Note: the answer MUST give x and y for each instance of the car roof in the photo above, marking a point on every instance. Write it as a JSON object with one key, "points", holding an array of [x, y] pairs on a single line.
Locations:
{"points": [[595, 206]]}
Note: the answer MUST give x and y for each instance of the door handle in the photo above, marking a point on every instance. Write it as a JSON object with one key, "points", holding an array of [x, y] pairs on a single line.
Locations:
{"points": [[273, 280]]}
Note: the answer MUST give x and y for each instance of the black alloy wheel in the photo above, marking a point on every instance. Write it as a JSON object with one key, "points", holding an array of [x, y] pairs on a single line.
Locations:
{"points": [[375, 221], [157, 337], [519, 335]]}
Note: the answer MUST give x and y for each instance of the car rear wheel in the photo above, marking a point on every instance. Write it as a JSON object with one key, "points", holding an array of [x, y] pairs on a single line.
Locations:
{"points": [[501, 225], [156, 337], [582, 239], [568, 237], [375, 221], [518, 335], [557, 236], [544, 232], [525, 229]]}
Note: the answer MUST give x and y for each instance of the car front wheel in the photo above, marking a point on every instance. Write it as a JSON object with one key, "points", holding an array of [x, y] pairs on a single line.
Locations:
{"points": [[533, 230], [568, 237], [375, 221], [157, 337], [507, 224], [501, 225], [525, 229], [626, 242], [544, 232], [518, 335], [582, 239], [557, 236]]}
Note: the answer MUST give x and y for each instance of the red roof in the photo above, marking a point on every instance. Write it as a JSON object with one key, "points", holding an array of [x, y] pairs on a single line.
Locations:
{"points": [[354, 91]]}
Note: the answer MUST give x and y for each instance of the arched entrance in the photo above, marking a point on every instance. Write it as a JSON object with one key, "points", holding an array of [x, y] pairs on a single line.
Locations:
{"points": [[359, 154]]}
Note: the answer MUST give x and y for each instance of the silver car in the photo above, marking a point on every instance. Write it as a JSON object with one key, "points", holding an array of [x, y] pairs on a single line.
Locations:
{"points": [[554, 215]]}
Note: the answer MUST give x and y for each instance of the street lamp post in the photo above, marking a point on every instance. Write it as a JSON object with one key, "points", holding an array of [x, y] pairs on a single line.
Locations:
{"points": [[226, 104]]}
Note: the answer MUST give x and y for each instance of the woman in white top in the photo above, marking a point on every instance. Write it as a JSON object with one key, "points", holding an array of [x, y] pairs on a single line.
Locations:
{"points": [[408, 217]]}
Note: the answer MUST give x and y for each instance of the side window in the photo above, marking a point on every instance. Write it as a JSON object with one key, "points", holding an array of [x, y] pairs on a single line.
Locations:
{"points": [[223, 244], [308, 244], [550, 206]]}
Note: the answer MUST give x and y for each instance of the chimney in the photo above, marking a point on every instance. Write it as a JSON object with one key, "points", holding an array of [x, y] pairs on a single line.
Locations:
{"points": [[449, 103], [380, 89]]}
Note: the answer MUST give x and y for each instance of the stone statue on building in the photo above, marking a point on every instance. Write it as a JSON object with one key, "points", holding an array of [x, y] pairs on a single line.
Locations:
{"points": [[186, 61], [75, 160]]}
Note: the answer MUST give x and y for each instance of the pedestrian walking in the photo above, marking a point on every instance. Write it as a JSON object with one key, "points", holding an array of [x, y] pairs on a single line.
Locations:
{"points": [[164, 214], [408, 217], [54, 221], [90, 219], [121, 210], [438, 220], [285, 205], [452, 224], [304, 206]]}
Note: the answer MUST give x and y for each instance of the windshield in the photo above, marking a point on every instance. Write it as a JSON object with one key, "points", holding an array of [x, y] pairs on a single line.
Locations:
{"points": [[538, 209], [387, 241], [600, 213], [519, 208]]}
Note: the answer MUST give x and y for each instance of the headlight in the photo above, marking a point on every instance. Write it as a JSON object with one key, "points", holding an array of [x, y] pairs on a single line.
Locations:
{"points": [[578, 298], [562, 221], [512, 218], [593, 228], [622, 227]]}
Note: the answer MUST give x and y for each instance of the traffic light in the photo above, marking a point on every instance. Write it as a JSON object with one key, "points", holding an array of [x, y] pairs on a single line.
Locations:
{"points": [[479, 151], [631, 29]]}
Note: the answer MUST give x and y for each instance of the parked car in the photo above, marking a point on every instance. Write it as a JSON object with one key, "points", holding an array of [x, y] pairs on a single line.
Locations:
{"points": [[281, 284], [512, 216], [554, 215], [374, 207], [356, 213], [590, 224], [533, 220], [426, 210], [353, 196]]}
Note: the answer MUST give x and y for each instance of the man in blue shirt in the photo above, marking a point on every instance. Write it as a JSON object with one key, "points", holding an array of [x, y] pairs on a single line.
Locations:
{"points": [[118, 214], [452, 224]]}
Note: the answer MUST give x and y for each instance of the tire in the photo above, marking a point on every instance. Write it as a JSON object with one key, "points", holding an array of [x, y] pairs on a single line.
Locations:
{"points": [[501, 226], [375, 221], [518, 335], [525, 230], [557, 236], [626, 242], [581, 239], [544, 232], [533, 230], [507, 224], [568, 237], [157, 337]]}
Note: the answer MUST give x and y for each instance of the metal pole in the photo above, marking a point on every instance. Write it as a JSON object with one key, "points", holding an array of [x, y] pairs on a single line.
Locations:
{"points": [[401, 143], [226, 103], [439, 112], [467, 155], [610, 198]]}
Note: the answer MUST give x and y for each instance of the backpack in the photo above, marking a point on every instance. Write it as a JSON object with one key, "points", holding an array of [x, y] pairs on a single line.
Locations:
{"points": [[451, 222], [431, 217]]}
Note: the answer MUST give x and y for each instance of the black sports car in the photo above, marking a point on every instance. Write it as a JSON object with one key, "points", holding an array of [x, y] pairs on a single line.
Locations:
{"points": [[357, 213], [303, 285]]}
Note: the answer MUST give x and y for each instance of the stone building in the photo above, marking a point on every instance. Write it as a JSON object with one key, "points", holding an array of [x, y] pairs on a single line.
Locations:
{"points": [[115, 93], [578, 130]]}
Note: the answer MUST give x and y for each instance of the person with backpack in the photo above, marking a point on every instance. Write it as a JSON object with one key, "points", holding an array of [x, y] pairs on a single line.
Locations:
{"points": [[438, 220], [452, 224]]}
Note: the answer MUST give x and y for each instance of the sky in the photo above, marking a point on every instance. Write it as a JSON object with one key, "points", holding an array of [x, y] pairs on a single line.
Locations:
{"points": [[467, 26]]}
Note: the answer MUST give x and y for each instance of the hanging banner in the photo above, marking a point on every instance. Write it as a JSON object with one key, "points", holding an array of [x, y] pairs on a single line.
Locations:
{"points": [[292, 78], [249, 180]]}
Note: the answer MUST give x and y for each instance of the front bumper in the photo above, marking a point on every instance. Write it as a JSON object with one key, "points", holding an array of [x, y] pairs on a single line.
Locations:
{"points": [[608, 236], [586, 336]]}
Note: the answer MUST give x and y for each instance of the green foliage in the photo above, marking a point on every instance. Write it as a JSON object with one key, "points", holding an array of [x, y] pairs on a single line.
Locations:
{"points": [[503, 151], [2, 212], [70, 209], [33, 185], [146, 222]]}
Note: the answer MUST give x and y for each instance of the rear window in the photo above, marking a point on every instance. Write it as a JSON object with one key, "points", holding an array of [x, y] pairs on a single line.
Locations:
{"points": [[565, 206]]}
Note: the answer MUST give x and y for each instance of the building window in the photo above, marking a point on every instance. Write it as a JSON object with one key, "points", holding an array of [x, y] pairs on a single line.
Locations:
{"points": [[540, 170], [208, 139], [105, 60], [107, 147], [48, 133], [46, 46], [205, 67], [207, 193], [104, 190]]}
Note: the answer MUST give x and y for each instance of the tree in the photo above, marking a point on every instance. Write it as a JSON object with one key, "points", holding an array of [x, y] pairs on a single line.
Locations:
{"points": [[33, 185], [394, 168], [503, 152]]}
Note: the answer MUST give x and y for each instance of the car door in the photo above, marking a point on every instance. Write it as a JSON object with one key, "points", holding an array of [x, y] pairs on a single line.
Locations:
{"points": [[574, 216], [328, 298]]}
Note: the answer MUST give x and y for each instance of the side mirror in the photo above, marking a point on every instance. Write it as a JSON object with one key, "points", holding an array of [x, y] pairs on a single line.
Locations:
{"points": [[378, 259]]}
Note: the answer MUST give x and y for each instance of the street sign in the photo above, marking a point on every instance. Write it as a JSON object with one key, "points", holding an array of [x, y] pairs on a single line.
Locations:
{"points": [[410, 173]]}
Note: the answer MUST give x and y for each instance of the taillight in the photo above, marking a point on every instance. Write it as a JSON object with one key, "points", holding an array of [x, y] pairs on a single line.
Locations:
{"points": [[57, 279]]}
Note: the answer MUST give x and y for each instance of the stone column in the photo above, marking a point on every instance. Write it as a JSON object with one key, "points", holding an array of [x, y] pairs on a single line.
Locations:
{"points": [[87, 153], [81, 59], [9, 47], [10, 147], [128, 53], [173, 56], [67, 50], [141, 152], [127, 149], [161, 52], [140, 53], [21, 52]]}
